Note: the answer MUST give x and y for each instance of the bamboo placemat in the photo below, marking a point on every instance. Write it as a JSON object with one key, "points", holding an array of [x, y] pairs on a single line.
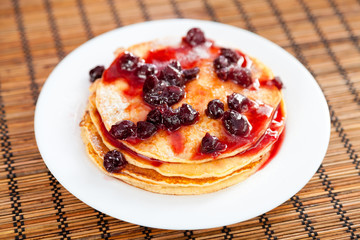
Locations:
{"points": [[35, 35]]}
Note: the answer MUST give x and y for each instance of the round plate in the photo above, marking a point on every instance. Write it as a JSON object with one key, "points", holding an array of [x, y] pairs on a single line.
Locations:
{"points": [[62, 103]]}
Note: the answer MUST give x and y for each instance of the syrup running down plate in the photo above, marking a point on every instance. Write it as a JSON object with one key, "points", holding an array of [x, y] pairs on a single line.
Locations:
{"points": [[63, 100]]}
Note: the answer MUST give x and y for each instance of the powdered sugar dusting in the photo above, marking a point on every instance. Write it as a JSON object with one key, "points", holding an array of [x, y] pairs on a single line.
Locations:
{"points": [[112, 107]]}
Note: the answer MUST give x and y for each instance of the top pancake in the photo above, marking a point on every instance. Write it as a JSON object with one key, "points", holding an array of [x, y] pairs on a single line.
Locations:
{"points": [[114, 104], [92, 128]]}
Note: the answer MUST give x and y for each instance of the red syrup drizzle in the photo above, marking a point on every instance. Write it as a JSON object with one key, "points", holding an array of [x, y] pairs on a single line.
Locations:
{"points": [[275, 149], [246, 60], [114, 72], [271, 135], [121, 146], [258, 116], [161, 57], [177, 141], [272, 82], [186, 55]]}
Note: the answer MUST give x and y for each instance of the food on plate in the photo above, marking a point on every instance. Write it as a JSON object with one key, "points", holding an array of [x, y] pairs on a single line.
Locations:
{"points": [[181, 119]]}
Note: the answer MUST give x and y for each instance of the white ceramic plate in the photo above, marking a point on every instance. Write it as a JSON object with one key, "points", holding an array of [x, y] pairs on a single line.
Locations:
{"points": [[63, 99]]}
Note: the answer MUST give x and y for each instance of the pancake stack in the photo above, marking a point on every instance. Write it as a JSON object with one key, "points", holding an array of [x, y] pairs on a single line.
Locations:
{"points": [[201, 155]]}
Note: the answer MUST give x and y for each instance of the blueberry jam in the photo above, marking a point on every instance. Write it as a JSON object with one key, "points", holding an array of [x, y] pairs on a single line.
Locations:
{"points": [[114, 161]]}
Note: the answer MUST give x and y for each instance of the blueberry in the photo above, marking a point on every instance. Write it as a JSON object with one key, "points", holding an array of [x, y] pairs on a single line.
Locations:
{"points": [[190, 74], [238, 102], [176, 64], [145, 70], [187, 114], [230, 54], [123, 130], [128, 62], [114, 161], [221, 65], [215, 109], [221, 62], [236, 124], [145, 129], [278, 83], [195, 37], [155, 117], [151, 82], [96, 73], [164, 95], [172, 75], [211, 144], [171, 120], [241, 76]]}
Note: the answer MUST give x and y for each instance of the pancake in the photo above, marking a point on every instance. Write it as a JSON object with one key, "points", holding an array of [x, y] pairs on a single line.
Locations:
{"points": [[152, 181], [114, 105], [215, 168], [182, 161]]}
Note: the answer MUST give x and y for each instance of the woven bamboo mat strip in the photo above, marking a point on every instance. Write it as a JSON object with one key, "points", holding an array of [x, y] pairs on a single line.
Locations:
{"points": [[35, 35]]}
